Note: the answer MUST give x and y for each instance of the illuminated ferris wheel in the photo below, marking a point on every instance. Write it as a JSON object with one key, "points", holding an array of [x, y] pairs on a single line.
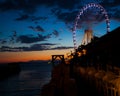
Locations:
{"points": [[89, 13]]}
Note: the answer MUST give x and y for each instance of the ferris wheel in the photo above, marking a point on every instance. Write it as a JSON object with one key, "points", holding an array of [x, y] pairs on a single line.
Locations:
{"points": [[89, 13]]}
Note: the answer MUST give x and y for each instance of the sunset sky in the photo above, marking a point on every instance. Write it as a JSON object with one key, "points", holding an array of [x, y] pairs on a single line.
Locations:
{"points": [[37, 29]]}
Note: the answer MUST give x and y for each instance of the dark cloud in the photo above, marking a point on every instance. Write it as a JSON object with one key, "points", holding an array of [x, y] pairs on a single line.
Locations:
{"points": [[6, 5], [93, 15], [22, 17], [29, 6], [88, 16], [34, 18], [68, 4], [47, 36], [37, 28], [62, 47], [67, 17], [29, 39], [4, 48], [110, 3], [34, 47], [2, 41], [56, 33], [14, 33], [48, 44], [31, 27], [43, 46], [117, 15], [13, 49], [0, 33], [25, 17], [59, 39], [17, 5], [32, 39], [13, 37]]}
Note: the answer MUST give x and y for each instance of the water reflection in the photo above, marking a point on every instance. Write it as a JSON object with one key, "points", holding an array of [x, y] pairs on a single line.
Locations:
{"points": [[27, 83]]}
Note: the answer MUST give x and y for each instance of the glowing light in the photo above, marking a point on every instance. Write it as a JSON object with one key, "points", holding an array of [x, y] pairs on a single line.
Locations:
{"points": [[84, 51], [79, 54], [81, 12]]}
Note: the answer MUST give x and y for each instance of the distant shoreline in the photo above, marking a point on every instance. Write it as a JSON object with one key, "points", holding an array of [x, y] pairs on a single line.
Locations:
{"points": [[9, 69]]}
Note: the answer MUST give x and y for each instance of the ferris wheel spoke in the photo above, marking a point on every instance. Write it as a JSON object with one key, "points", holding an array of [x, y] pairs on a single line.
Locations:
{"points": [[82, 14]]}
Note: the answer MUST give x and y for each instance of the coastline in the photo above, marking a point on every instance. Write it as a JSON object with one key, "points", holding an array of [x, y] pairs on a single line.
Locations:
{"points": [[7, 70]]}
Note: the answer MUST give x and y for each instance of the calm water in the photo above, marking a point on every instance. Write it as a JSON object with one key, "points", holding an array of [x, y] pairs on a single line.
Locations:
{"points": [[29, 82]]}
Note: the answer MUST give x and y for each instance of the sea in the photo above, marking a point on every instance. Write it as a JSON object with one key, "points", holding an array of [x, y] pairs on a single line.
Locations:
{"points": [[29, 82]]}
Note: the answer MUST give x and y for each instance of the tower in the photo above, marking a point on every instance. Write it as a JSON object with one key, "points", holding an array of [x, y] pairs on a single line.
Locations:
{"points": [[88, 36]]}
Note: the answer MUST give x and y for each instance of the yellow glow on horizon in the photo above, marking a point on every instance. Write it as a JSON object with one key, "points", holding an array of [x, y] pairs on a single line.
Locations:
{"points": [[6, 57]]}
